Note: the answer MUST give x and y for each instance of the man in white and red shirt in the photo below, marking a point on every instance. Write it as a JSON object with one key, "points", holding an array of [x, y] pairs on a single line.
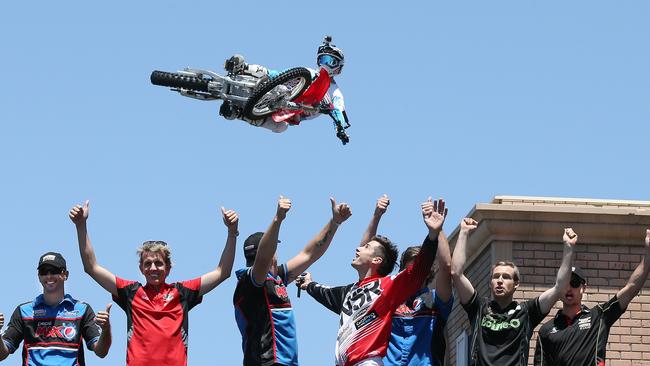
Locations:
{"points": [[156, 312], [367, 306]]}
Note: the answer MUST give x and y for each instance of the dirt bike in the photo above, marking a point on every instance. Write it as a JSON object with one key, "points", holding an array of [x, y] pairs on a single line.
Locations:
{"points": [[253, 99]]}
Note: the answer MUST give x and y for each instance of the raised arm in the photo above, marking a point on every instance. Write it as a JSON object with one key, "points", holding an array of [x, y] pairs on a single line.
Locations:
{"points": [[319, 244], [443, 277], [464, 288], [330, 297], [410, 280], [212, 279], [79, 216], [4, 351], [548, 298], [269, 242], [380, 210], [105, 339], [638, 277]]}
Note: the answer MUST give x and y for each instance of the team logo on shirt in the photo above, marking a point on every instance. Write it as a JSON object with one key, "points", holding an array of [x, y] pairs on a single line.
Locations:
{"points": [[497, 325], [46, 330], [281, 291], [168, 297], [584, 323], [40, 312], [361, 296]]}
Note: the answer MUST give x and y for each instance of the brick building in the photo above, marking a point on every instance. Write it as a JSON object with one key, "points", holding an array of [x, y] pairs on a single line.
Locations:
{"points": [[528, 231]]}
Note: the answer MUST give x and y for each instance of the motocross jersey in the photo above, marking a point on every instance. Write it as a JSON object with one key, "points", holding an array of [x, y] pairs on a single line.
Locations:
{"points": [[157, 320], [52, 335], [333, 98], [265, 319], [367, 306]]}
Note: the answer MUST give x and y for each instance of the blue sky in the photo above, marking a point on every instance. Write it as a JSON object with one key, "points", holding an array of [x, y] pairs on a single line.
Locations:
{"points": [[463, 100]]}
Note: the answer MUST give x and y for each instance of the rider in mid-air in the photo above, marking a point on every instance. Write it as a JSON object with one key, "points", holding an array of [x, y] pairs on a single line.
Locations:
{"points": [[329, 58]]}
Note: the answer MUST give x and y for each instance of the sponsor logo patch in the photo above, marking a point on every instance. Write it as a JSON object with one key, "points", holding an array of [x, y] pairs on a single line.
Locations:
{"points": [[365, 320]]}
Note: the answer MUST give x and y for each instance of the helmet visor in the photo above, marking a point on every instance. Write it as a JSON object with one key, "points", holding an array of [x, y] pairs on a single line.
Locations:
{"points": [[328, 60]]}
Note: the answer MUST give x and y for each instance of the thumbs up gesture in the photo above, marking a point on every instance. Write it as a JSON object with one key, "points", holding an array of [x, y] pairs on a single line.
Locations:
{"points": [[103, 318], [79, 214]]}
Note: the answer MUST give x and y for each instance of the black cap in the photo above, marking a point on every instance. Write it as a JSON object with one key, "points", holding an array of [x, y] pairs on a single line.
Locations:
{"points": [[577, 271], [52, 259], [250, 247]]}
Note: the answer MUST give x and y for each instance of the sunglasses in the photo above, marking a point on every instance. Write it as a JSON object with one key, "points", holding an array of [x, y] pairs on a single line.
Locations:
{"points": [[44, 271], [576, 282], [154, 242]]}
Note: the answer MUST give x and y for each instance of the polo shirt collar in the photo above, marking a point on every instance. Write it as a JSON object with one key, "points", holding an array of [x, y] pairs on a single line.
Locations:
{"points": [[497, 309], [40, 300], [583, 310]]}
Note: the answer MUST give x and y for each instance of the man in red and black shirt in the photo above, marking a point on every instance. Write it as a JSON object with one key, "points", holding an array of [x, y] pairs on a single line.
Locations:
{"points": [[577, 336], [156, 312], [366, 307]]}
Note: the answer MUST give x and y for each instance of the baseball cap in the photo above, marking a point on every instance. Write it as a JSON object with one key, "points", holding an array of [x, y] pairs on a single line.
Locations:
{"points": [[250, 246], [578, 272], [52, 259]]}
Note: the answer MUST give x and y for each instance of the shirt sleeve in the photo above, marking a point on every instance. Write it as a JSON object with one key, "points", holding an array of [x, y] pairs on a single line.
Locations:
{"points": [[90, 331], [14, 334], [330, 297], [125, 291], [444, 308], [538, 360], [410, 280], [472, 307], [190, 292], [611, 311], [535, 315]]}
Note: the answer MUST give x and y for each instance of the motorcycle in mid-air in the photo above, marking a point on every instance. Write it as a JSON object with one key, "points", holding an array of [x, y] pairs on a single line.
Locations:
{"points": [[251, 98]]}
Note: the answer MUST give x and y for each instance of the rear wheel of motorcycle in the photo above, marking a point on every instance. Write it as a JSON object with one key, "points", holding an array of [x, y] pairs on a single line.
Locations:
{"points": [[296, 80], [175, 80]]}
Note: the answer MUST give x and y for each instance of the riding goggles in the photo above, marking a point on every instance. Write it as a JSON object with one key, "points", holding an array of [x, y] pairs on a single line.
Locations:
{"points": [[328, 60]]}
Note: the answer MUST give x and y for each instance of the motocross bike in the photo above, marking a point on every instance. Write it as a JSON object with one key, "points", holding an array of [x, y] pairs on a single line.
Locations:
{"points": [[288, 94]]}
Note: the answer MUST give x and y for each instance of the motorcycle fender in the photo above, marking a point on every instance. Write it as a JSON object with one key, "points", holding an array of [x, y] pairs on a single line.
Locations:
{"points": [[283, 116]]}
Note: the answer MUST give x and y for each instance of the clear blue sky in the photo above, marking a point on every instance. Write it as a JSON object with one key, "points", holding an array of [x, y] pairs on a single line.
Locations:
{"points": [[465, 101]]}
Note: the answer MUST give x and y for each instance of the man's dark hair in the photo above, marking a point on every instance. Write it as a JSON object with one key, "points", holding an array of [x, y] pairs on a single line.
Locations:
{"points": [[408, 256], [389, 255]]}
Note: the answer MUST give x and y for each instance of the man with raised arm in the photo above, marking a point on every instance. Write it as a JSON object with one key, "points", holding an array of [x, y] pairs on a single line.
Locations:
{"points": [[53, 326], [366, 307], [156, 313], [501, 328], [578, 335], [416, 337], [262, 306]]}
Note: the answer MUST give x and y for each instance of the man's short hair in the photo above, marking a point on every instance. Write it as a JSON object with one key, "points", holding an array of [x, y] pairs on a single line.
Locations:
{"points": [[156, 246], [408, 256], [388, 254], [517, 276]]}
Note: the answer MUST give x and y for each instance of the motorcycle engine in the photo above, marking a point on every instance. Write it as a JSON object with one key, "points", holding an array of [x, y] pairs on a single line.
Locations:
{"points": [[229, 111]]}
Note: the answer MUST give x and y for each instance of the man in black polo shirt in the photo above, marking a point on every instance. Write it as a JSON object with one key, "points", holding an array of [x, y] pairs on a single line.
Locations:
{"points": [[502, 328], [578, 335]]}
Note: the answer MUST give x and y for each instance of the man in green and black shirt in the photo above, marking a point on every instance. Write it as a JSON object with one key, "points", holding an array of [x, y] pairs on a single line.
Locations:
{"points": [[578, 335], [502, 328]]}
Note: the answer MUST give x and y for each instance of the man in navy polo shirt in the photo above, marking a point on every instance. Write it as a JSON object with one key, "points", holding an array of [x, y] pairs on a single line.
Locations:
{"points": [[53, 325], [262, 307], [578, 335]]}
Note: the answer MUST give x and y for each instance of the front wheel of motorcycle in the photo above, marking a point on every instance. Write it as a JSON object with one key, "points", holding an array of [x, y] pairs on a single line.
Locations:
{"points": [[293, 81]]}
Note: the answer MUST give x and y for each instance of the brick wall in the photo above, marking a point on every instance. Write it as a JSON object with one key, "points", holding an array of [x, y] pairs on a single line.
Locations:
{"points": [[607, 269]]}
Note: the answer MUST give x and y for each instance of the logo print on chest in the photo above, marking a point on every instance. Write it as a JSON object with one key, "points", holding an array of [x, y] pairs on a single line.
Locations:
{"points": [[361, 296]]}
